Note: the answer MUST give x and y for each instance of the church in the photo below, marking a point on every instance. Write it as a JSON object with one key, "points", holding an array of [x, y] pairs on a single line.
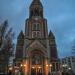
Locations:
{"points": [[36, 49]]}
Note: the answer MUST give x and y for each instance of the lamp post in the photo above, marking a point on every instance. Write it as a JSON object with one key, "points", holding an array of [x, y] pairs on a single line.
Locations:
{"points": [[64, 68], [70, 71], [23, 67], [10, 70], [50, 67]]}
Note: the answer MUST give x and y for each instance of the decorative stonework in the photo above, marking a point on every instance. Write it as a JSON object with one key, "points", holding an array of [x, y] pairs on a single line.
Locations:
{"points": [[35, 50]]}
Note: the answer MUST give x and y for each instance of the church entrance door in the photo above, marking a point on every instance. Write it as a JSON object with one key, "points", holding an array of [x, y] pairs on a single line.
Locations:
{"points": [[37, 62], [36, 70]]}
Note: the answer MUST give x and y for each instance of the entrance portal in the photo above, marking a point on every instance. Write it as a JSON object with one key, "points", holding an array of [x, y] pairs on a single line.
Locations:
{"points": [[37, 62], [36, 70]]}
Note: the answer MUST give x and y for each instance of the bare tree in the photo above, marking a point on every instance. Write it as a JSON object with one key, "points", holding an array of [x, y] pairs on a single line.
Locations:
{"points": [[6, 45]]}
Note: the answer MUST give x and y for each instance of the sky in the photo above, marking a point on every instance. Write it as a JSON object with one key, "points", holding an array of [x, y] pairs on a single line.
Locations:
{"points": [[60, 15]]}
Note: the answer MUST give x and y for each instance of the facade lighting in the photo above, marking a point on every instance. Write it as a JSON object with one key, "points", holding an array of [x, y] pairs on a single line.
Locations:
{"points": [[39, 67], [21, 65], [64, 65], [47, 65], [33, 67], [24, 65], [69, 68], [50, 65], [10, 68]]}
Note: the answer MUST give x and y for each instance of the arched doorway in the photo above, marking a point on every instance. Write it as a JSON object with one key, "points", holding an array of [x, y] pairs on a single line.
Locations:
{"points": [[37, 62], [36, 71]]}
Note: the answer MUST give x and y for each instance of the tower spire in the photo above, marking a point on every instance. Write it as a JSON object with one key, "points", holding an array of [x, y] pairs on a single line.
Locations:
{"points": [[36, 8], [36, 0]]}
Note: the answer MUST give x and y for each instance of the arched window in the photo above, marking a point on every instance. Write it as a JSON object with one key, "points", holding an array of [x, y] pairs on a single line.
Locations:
{"points": [[36, 34], [36, 30], [36, 26]]}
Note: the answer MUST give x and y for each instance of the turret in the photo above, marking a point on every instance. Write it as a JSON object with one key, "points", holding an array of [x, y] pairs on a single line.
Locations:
{"points": [[53, 47], [19, 46]]}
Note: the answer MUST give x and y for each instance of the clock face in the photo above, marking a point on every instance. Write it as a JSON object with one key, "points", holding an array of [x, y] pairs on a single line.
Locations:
{"points": [[36, 59]]}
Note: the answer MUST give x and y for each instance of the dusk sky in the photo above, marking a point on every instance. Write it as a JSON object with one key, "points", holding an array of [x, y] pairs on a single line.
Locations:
{"points": [[60, 15]]}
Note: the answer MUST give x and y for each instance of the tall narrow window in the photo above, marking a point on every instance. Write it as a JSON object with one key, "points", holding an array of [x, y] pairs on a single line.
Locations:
{"points": [[38, 34], [35, 34], [36, 26], [36, 30]]}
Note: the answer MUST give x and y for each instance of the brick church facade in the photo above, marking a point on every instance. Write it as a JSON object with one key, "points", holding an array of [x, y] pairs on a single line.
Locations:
{"points": [[36, 50]]}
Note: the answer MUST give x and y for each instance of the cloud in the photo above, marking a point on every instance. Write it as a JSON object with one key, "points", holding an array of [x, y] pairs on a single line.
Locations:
{"points": [[59, 13]]}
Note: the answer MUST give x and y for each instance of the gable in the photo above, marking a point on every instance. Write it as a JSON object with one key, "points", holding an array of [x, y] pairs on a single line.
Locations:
{"points": [[36, 45]]}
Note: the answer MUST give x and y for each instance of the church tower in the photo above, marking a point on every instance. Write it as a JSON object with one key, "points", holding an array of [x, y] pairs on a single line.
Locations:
{"points": [[37, 49]]}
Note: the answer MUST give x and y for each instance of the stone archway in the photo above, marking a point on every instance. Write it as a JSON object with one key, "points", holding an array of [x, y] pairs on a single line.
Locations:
{"points": [[37, 59]]}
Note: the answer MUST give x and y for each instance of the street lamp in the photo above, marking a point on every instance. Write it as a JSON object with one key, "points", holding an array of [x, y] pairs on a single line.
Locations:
{"points": [[69, 68], [46, 65], [24, 65], [33, 67], [39, 67], [50, 67], [10, 68], [23, 68], [21, 65], [70, 71], [64, 66]]}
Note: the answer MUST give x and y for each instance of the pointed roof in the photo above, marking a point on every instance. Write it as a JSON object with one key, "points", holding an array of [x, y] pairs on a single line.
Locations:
{"points": [[36, 2], [51, 35], [21, 35], [36, 41], [36, 45]]}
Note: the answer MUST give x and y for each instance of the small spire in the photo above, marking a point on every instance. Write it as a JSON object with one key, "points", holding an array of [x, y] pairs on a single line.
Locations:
{"points": [[36, 2], [51, 34], [21, 35]]}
